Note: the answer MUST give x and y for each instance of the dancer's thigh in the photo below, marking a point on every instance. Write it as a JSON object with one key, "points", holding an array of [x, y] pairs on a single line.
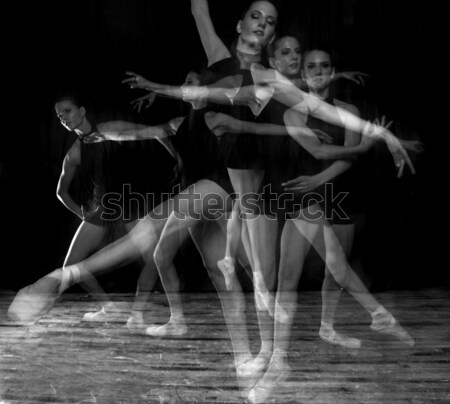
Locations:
{"points": [[204, 199], [86, 239], [345, 235]]}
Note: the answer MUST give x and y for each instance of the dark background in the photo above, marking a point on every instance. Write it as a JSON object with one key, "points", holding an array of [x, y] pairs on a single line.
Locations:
{"points": [[89, 44]]}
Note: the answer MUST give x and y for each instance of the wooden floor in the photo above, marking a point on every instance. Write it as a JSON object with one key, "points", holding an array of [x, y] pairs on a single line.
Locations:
{"points": [[61, 359]]}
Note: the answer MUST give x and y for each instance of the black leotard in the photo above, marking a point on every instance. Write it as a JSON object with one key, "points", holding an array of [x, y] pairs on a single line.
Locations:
{"points": [[338, 201]]}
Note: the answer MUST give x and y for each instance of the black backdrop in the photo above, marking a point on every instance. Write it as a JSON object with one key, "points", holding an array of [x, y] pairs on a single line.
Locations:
{"points": [[89, 44]]}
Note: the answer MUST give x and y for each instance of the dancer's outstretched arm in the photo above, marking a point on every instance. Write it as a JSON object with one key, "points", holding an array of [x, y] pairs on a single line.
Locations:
{"points": [[356, 77], [222, 92], [287, 93], [295, 126], [121, 131], [128, 131]]}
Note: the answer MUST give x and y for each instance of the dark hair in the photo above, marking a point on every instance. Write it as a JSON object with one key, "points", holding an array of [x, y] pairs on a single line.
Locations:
{"points": [[74, 97], [273, 46], [275, 3], [319, 49]]}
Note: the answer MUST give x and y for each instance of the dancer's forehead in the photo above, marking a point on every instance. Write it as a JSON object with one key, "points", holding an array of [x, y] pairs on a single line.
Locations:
{"points": [[264, 7], [316, 56], [64, 106], [287, 42]]}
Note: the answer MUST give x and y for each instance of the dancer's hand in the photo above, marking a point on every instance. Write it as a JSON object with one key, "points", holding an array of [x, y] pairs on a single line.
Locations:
{"points": [[95, 137], [304, 183], [356, 77], [146, 100], [323, 137], [220, 123], [399, 154], [414, 146], [136, 81], [382, 122]]}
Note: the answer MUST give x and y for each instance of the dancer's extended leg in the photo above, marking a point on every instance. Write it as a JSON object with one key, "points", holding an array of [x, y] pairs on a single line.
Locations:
{"points": [[34, 300], [263, 235], [331, 292], [193, 205], [294, 248], [85, 241], [210, 241], [382, 320]]}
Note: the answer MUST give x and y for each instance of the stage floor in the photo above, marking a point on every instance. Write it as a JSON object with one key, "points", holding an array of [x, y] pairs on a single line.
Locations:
{"points": [[62, 359]]}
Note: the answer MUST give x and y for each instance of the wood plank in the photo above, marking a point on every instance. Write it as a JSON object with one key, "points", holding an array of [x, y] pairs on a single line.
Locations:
{"points": [[62, 359]]}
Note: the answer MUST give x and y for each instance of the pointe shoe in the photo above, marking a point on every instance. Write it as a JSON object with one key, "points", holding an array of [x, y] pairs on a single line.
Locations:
{"points": [[101, 316], [135, 323], [226, 266], [385, 323], [167, 330], [277, 373], [248, 373], [253, 366], [335, 338], [34, 301]]}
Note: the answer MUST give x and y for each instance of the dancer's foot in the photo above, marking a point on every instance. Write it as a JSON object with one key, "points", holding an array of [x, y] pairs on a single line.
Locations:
{"points": [[102, 316], [171, 329], [226, 266], [328, 334], [277, 373], [33, 301], [242, 359], [136, 321], [253, 366], [248, 372], [385, 323]]}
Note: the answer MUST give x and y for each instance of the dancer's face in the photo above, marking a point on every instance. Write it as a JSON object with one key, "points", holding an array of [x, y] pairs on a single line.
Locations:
{"points": [[70, 115], [258, 25], [317, 70], [287, 55], [192, 79]]}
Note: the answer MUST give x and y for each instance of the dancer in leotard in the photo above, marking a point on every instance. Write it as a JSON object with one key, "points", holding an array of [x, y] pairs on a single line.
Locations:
{"points": [[33, 301], [90, 159], [290, 58], [300, 231], [291, 161], [228, 71], [91, 163]]}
